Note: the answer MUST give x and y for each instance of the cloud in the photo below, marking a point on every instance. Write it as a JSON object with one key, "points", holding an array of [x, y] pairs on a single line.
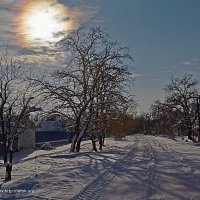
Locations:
{"points": [[5, 22], [13, 35], [168, 71], [5, 3], [194, 59], [13, 13], [186, 63], [136, 75], [173, 66], [67, 18], [190, 61]]}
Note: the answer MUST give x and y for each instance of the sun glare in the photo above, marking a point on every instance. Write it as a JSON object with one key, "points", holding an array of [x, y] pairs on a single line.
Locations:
{"points": [[38, 23], [43, 25]]}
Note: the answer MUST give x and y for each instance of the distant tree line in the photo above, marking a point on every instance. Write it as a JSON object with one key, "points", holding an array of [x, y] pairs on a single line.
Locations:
{"points": [[178, 112]]}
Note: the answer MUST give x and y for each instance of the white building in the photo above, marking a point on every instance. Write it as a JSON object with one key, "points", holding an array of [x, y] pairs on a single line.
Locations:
{"points": [[26, 139]]}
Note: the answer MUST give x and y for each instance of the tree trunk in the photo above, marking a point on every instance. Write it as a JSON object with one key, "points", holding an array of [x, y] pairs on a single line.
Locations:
{"points": [[94, 145], [190, 132], [103, 139], [73, 144], [9, 167], [78, 144], [4, 142], [190, 135], [77, 133], [100, 143], [80, 137]]}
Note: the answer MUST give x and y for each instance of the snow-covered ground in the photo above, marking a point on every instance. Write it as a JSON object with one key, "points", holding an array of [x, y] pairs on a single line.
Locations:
{"points": [[138, 167]]}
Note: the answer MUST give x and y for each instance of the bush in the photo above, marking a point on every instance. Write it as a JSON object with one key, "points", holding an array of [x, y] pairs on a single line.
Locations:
{"points": [[47, 146]]}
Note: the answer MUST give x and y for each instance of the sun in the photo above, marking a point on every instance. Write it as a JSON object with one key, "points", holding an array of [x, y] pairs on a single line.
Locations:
{"points": [[40, 23], [43, 25]]}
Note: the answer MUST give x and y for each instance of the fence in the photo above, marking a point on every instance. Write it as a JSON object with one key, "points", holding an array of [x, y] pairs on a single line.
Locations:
{"points": [[52, 136]]}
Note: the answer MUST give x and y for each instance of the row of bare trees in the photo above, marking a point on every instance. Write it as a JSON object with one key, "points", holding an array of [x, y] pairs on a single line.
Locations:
{"points": [[179, 110], [17, 100], [88, 91], [90, 88]]}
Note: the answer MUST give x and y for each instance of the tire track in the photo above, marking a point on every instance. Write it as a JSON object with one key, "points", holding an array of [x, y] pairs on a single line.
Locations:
{"points": [[179, 158], [94, 189], [151, 165], [185, 169]]}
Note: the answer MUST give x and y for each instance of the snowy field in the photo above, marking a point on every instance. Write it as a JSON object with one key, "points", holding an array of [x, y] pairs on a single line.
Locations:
{"points": [[138, 167]]}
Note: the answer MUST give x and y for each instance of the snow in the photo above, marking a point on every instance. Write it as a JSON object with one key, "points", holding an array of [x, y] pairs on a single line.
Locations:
{"points": [[137, 167]]}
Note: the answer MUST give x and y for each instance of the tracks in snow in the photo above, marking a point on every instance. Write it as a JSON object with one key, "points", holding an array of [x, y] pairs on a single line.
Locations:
{"points": [[173, 170], [154, 167], [150, 171], [184, 166], [145, 157], [94, 189]]}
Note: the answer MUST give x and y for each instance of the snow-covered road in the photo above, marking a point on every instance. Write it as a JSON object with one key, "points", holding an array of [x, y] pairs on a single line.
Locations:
{"points": [[139, 167], [155, 171]]}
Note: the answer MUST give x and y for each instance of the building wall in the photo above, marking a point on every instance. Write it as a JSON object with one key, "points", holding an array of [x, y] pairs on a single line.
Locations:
{"points": [[26, 139]]}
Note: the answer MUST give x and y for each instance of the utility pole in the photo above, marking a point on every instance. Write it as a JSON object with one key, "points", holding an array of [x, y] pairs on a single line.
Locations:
{"points": [[198, 115], [4, 140], [10, 143]]}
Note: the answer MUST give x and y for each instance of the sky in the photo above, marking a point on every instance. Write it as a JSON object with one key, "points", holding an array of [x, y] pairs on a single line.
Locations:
{"points": [[163, 36]]}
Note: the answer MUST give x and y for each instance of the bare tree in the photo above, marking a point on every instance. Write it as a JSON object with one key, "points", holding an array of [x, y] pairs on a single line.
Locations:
{"points": [[180, 93], [95, 73], [164, 118], [17, 101]]}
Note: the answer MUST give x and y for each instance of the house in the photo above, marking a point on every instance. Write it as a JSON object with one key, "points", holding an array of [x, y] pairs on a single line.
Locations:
{"points": [[26, 139]]}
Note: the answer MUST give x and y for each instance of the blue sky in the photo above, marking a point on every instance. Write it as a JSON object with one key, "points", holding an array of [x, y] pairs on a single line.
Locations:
{"points": [[163, 36]]}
